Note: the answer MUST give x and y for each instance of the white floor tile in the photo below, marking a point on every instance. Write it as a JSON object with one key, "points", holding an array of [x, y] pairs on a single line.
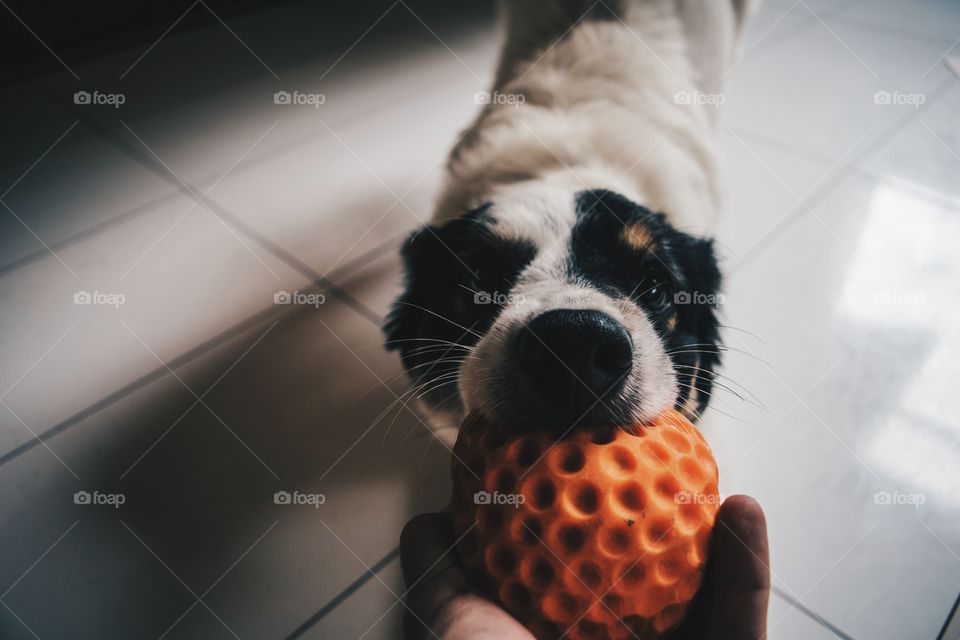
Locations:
{"points": [[214, 111], [765, 186], [833, 89], [856, 320], [926, 155], [933, 18], [298, 405], [183, 280], [60, 178], [337, 197], [775, 21]]}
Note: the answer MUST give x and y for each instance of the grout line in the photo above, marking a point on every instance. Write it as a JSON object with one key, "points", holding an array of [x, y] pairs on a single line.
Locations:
{"points": [[855, 21], [255, 161], [809, 19], [185, 358], [941, 200], [226, 215], [847, 168], [327, 283], [88, 232], [951, 626], [352, 588], [341, 597], [799, 606], [137, 384], [789, 32]]}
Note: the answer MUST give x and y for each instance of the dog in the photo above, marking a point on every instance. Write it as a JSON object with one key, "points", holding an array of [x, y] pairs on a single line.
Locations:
{"points": [[568, 278]]}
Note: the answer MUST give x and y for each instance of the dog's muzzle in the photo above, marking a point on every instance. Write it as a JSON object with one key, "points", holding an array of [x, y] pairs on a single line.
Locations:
{"points": [[574, 359]]}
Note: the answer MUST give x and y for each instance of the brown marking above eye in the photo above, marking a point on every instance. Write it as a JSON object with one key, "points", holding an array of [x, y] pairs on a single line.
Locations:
{"points": [[638, 236]]}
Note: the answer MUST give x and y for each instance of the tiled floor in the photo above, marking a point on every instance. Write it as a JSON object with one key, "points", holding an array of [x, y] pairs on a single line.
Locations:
{"points": [[197, 398]]}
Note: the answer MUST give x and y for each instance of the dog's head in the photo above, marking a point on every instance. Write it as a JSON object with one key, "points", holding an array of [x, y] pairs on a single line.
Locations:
{"points": [[548, 311]]}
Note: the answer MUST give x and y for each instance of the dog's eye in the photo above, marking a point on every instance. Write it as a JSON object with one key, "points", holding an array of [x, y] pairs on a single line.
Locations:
{"points": [[656, 298]]}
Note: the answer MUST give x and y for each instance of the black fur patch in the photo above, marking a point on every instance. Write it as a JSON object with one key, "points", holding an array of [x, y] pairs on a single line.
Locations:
{"points": [[456, 274], [674, 277]]}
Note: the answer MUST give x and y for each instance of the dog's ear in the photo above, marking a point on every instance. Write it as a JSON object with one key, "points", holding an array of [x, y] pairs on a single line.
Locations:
{"points": [[701, 275], [404, 320], [699, 263], [697, 338]]}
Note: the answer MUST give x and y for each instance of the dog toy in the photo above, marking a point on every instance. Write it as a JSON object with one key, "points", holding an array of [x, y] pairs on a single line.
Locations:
{"points": [[597, 535]]}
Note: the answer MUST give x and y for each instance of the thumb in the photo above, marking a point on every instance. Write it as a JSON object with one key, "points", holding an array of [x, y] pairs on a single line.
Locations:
{"points": [[430, 569], [740, 572]]}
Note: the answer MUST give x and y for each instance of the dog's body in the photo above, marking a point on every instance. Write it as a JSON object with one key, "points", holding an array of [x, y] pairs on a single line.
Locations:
{"points": [[600, 115]]}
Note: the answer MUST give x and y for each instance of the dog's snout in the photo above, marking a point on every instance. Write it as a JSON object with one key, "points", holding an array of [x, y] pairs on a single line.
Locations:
{"points": [[574, 357]]}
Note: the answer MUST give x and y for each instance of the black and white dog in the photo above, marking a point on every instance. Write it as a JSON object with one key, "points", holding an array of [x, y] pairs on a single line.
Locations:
{"points": [[568, 279]]}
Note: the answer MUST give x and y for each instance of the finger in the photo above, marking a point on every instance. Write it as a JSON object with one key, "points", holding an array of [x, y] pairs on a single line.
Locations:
{"points": [[431, 569], [739, 572], [425, 545]]}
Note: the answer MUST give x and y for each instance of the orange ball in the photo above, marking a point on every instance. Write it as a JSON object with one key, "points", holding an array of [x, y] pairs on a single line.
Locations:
{"points": [[600, 535]]}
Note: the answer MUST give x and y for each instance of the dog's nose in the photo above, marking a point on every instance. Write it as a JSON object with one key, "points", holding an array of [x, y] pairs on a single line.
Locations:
{"points": [[574, 357]]}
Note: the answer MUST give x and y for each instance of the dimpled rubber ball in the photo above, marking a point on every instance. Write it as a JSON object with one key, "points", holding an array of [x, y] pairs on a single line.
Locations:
{"points": [[602, 534]]}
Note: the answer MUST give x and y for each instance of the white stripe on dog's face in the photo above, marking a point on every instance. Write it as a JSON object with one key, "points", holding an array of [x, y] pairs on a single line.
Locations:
{"points": [[555, 310]]}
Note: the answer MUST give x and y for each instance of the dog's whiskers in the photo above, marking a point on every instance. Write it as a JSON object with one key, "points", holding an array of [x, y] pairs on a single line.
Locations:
{"points": [[435, 340], [713, 350], [444, 318], [714, 374], [744, 331], [424, 350]]}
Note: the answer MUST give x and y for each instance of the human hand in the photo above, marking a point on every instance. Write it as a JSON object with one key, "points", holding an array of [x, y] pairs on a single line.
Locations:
{"points": [[731, 603]]}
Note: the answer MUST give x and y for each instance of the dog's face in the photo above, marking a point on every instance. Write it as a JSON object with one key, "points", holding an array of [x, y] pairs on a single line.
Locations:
{"points": [[545, 311]]}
